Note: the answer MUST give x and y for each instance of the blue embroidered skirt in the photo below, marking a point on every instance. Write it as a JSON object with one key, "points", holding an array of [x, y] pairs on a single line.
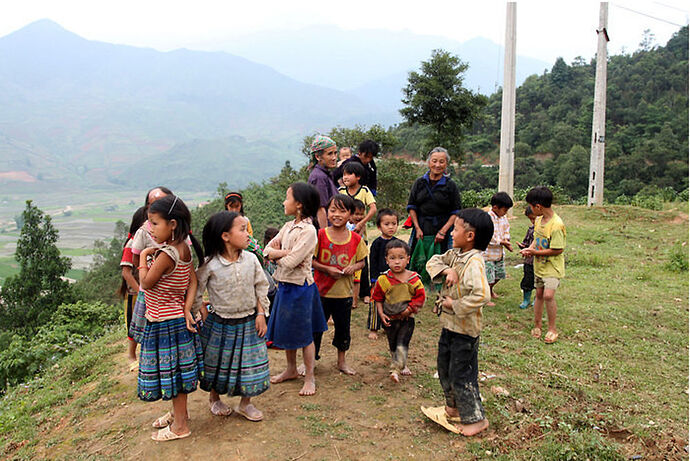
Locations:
{"points": [[295, 316], [170, 361], [138, 323], [235, 357]]}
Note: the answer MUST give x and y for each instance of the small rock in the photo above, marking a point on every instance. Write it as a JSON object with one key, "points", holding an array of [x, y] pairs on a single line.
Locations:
{"points": [[498, 390]]}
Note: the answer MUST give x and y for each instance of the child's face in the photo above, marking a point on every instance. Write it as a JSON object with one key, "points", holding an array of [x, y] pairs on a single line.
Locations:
{"points": [[161, 230], [237, 237], [500, 211], [365, 157], [532, 217], [388, 226], [329, 158], [357, 216], [338, 216], [234, 206], [463, 237], [345, 153], [397, 259], [349, 179], [538, 210], [290, 205]]}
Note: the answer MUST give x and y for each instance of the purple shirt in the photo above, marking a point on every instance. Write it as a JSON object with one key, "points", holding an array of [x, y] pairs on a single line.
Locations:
{"points": [[322, 180]]}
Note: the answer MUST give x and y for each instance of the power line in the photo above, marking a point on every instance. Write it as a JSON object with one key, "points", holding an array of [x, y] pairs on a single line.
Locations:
{"points": [[672, 7], [645, 14]]}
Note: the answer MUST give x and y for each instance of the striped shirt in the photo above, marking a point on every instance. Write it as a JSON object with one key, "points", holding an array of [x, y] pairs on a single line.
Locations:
{"points": [[166, 299]]}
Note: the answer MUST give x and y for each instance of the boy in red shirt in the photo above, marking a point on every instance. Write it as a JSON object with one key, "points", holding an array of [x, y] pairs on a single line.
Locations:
{"points": [[339, 253]]}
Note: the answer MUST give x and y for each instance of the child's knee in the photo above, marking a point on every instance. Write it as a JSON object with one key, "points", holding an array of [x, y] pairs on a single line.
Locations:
{"points": [[549, 295]]}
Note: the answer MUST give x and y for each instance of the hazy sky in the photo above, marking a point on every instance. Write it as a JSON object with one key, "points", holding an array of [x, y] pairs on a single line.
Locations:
{"points": [[545, 29]]}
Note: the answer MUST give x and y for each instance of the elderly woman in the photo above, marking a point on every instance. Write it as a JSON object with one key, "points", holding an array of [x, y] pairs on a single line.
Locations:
{"points": [[324, 157], [434, 200]]}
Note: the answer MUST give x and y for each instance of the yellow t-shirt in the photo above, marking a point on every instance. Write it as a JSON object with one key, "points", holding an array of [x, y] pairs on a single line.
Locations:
{"points": [[363, 194], [550, 235]]}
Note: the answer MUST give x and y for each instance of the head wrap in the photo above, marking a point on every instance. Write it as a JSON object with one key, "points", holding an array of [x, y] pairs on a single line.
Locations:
{"points": [[321, 142]]}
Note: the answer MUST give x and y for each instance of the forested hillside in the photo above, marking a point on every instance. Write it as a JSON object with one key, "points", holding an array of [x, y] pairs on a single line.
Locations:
{"points": [[646, 124]]}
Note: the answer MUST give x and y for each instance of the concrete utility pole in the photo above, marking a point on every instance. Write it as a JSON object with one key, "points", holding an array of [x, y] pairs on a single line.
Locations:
{"points": [[507, 150], [595, 192]]}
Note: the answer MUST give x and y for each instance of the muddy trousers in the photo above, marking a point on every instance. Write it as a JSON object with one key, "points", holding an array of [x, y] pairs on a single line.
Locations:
{"points": [[458, 373], [399, 334]]}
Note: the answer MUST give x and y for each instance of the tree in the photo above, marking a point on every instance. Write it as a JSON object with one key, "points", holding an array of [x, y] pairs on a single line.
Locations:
{"points": [[436, 97], [28, 299]]}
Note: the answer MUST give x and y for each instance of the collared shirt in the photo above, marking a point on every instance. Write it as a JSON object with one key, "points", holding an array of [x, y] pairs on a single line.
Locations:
{"points": [[494, 252], [321, 178], [468, 295], [234, 287], [300, 239]]}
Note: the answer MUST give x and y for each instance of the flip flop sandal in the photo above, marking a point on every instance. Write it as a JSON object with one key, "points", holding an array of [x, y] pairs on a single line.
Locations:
{"points": [[255, 416], [166, 434], [134, 366], [218, 408], [536, 332], [438, 415], [550, 337]]}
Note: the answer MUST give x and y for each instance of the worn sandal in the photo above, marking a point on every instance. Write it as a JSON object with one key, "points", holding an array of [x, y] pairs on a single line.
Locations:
{"points": [[536, 332], [250, 412], [218, 408], [166, 434], [550, 337], [164, 421], [438, 415]]}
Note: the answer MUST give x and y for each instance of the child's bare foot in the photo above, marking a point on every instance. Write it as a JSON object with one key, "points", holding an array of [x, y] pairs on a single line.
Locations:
{"points": [[367, 300], [406, 372], [286, 375], [345, 368], [301, 369], [354, 304], [373, 334], [491, 304], [309, 387], [536, 332], [394, 377], [468, 430], [494, 295]]}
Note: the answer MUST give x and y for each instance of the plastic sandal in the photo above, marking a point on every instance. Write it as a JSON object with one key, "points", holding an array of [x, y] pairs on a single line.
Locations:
{"points": [[166, 434]]}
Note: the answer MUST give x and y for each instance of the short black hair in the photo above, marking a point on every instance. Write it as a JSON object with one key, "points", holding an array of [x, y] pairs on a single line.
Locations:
{"points": [[369, 147], [354, 168], [385, 212], [269, 233], [359, 205], [397, 243], [540, 195], [501, 200], [342, 201], [308, 196], [528, 210], [480, 222]]}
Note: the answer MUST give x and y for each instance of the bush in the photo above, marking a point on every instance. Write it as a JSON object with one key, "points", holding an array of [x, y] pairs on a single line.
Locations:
{"points": [[476, 199], [651, 202], [395, 179], [678, 258]]}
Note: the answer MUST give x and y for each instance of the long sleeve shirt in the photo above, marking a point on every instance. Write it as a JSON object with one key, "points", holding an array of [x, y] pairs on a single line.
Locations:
{"points": [[468, 295], [234, 288], [300, 239]]}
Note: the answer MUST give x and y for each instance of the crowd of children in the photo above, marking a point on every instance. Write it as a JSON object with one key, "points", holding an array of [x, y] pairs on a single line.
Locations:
{"points": [[211, 327]]}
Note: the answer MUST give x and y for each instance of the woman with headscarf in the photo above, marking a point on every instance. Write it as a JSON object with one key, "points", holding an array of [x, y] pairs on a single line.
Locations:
{"points": [[434, 200], [324, 154]]}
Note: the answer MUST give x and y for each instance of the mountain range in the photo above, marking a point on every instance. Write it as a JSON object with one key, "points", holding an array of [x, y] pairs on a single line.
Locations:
{"points": [[80, 113]]}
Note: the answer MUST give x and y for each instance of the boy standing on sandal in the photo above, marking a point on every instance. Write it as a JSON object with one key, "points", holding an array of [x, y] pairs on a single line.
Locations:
{"points": [[549, 262], [464, 293], [495, 265]]}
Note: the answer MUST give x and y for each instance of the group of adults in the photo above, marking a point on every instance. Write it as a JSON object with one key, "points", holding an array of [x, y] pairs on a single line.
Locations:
{"points": [[434, 197]]}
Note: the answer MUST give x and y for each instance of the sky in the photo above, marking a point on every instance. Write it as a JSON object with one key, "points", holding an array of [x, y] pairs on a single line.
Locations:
{"points": [[545, 29]]}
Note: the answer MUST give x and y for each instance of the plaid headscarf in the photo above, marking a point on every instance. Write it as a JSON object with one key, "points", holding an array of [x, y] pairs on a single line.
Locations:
{"points": [[321, 142]]}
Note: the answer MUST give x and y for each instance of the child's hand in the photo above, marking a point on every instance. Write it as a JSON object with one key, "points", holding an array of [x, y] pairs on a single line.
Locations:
{"points": [[335, 272], [275, 243], [260, 324], [527, 252], [191, 323], [348, 270], [359, 226], [204, 312], [451, 277], [506, 243], [447, 302], [145, 253], [384, 319], [520, 245]]}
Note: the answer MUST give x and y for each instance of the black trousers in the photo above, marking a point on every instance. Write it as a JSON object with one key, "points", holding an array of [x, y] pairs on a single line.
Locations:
{"points": [[458, 373], [399, 334], [527, 282], [340, 309]]}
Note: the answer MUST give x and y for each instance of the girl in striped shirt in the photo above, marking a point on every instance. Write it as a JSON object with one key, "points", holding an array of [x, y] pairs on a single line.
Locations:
{"points": [[171, 359]]}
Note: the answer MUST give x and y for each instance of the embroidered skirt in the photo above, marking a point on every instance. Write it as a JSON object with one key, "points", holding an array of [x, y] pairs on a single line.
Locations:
{"points": [[235, 357], [170, 361], [295, 316], [138, 323]]}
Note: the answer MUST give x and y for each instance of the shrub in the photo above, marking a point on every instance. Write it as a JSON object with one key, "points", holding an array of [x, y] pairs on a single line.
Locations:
{"points": [[678, 258]]}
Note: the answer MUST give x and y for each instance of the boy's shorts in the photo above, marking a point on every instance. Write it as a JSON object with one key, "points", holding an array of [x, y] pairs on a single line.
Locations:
{"points": [[495, 271], [549, 283]]}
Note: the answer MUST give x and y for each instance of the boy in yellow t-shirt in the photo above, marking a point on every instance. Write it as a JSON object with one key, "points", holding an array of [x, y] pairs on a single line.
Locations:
{"points": [[549, 262]]}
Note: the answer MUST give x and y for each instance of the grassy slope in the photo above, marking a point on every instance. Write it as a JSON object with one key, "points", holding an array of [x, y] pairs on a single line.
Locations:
{"points": [[614, 386]]}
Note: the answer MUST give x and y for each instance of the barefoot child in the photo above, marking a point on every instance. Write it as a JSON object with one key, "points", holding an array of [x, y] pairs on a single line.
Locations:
{"points": [[297, 314], [235, 356], [130, 286], [495, 265], [361, 287], [549, 262], [527, 282], [464, 292], [398, 294], [171, 361], [387, 223], [338, 255]]}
